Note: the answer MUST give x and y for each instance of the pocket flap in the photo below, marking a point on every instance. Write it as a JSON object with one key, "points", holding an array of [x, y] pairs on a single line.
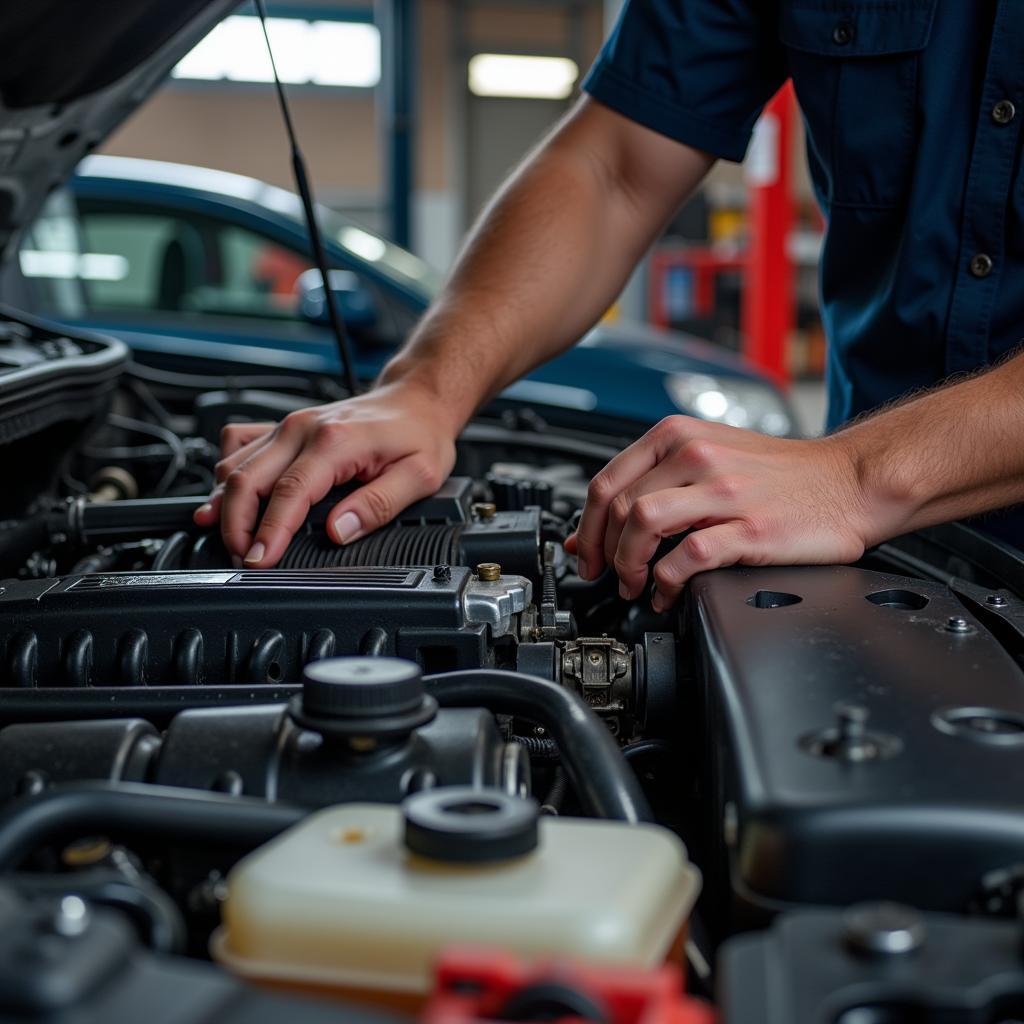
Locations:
{"points": [[856, 28]]}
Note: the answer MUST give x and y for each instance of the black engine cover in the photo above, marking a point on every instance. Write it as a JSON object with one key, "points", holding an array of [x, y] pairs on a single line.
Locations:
{"points": [[916, 803], [226, 627], [810, 968]]}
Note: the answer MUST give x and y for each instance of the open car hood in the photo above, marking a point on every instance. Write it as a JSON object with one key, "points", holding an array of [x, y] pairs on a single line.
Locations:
{"points": [[73, 70]]}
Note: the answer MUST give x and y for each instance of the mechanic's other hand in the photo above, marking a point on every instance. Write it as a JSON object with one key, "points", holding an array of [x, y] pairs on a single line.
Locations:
{"points": [[394, 439], [747, 498]]}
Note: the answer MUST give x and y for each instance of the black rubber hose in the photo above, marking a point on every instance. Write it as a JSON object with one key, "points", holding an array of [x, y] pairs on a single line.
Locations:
{"points": [[157, 704], [540, 748], [598, 773], [643, 747], [559, 790], [132, 810], [155, 915], [172, 554]]}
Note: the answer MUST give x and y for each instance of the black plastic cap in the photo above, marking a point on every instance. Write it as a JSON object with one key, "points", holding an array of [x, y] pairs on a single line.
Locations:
{"points": [[361, 687], [367, 697], [463, 825]]}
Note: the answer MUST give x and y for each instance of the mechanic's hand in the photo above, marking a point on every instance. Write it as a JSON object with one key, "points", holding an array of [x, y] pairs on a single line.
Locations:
{"points": [[747, 499], [394, 439]]}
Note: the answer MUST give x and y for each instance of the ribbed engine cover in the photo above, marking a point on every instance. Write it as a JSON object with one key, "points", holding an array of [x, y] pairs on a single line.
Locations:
{"points": [[187, 627]]}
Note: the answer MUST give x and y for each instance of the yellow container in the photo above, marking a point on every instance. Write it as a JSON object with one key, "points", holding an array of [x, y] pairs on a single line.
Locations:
{"points": [[338, 902]]}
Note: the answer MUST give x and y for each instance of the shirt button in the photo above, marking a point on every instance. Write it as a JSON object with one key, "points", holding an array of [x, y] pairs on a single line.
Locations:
{"points": [[1004, 112], [981, 265], [843, 33]]}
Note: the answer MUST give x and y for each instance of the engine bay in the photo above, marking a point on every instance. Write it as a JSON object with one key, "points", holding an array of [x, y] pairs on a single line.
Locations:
{"points": [[789, 786]]}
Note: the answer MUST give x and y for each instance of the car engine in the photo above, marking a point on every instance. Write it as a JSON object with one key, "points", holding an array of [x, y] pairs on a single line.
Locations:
{"points": [[839, 748]]}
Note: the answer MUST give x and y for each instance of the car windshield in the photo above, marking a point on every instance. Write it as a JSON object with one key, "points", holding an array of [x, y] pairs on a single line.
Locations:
{"points": [[391, 260]]}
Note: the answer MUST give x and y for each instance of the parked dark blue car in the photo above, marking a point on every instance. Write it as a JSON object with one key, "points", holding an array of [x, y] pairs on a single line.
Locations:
{"points": [[187, 262]]}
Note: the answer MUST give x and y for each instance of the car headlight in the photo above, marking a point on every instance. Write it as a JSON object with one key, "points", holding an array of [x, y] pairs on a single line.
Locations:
{"points": [[732, 400]]}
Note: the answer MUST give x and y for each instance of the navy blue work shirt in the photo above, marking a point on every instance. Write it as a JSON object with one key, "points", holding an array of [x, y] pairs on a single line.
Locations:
{"points": [[913, 112]]}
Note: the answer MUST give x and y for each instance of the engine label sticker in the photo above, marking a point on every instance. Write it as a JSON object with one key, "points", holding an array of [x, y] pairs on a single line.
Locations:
{"points": [[153, 579]]}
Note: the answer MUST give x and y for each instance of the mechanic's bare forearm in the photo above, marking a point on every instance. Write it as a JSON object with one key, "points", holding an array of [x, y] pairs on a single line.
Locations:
{"points": [[954, 452], [545, 261], [548, 257]]}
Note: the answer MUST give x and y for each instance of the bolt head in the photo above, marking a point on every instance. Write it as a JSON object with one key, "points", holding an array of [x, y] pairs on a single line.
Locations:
{"points": [[72, 917], [957, 624], [884, 929], [855, 714], [442, 573], [996, 601], [489, 572]]}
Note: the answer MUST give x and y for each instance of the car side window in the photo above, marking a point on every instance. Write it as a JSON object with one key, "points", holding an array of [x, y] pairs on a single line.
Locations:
{"points": [[188, 265], [121, 261], [52, 258]]}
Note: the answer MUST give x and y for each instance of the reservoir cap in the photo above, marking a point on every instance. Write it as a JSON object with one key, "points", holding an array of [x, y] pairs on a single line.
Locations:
{"points": [[463, 825], [363, 696]]}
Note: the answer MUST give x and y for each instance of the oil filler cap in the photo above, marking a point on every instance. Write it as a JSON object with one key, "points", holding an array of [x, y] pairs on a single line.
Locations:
{"points": [[463, 825], [363, 697]]}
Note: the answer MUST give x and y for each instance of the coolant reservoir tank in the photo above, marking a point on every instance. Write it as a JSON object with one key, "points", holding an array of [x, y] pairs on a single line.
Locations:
{"points": [[362, 897]]}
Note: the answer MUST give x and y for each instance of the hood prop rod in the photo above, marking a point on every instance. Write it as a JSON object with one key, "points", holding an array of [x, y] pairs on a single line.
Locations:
{"points": [[312, 226]]}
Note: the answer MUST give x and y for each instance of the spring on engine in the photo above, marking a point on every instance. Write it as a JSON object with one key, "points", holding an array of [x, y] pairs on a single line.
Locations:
{"points": [[399, 545]]}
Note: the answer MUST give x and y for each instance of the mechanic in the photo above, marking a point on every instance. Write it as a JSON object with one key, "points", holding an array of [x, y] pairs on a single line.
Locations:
{"points": [[913, 111]]}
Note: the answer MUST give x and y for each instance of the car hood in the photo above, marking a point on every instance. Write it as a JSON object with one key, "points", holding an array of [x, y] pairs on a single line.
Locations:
{"points": [[73, 70], [667, 351]]}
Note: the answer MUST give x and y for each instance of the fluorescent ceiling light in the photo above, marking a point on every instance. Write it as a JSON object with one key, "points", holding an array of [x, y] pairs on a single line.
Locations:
{"points": [[344, 53], [536, 78]]}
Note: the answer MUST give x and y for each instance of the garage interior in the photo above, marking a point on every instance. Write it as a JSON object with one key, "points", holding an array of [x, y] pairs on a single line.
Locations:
{"points": [[456, 147], [355, 669]]}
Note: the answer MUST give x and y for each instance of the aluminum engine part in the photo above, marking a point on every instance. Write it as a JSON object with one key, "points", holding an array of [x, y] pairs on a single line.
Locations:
{"points": [[600, 670]]}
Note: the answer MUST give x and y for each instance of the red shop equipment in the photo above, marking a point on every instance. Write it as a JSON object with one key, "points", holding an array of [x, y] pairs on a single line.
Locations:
{"points": [[477, 986], [768, 298], [682, 281]]}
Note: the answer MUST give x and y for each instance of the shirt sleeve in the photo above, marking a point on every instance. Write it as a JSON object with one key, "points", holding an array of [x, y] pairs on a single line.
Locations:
{"points": [[698, 71]]}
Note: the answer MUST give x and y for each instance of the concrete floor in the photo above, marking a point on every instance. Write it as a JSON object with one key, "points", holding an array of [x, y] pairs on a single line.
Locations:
{"points": [[808, 397]]}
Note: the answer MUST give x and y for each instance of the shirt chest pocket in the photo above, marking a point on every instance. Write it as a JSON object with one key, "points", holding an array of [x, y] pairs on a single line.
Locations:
{"points": [[854, 65]]}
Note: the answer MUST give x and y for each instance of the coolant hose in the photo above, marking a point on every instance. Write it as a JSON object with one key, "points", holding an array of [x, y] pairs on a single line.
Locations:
{"points": [[603, 781], [133, 810]]}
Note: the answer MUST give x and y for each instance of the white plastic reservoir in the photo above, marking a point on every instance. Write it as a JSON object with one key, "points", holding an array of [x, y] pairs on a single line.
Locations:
{"points": [[341, 901]]}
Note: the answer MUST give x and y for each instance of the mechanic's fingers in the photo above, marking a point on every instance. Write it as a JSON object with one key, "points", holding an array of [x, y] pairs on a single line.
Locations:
{"points": [[238, 435], [208, 513], [710, 548], [625, 469], [246, 484], [225, 467], [381, 500], [299, 487], [653, 517], [666, 475]]}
